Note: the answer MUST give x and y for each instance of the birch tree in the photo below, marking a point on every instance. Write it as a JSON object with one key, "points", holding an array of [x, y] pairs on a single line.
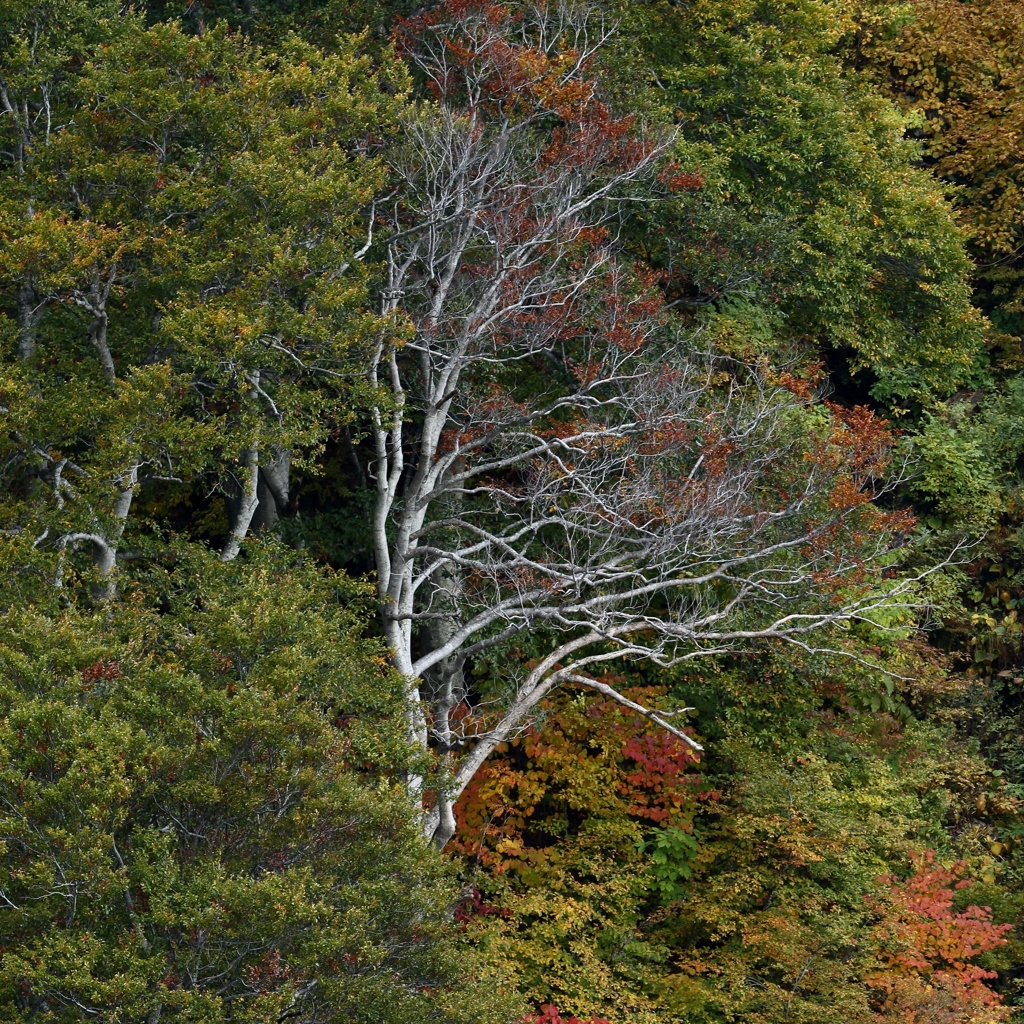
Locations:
{"points": [[552, 461]]}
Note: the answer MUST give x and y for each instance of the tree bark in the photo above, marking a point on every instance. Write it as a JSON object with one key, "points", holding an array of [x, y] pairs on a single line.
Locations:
{"points": [[272, 491], [98, 333], [106, 554], [445, 686], [30, 312], [242, 505]]}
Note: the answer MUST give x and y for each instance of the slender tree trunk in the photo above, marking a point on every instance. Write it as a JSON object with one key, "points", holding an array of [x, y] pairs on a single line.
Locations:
{"points": [[98, 337], [30, 312], [447, 696], [244, 505], [106, 554], [445, 682]]}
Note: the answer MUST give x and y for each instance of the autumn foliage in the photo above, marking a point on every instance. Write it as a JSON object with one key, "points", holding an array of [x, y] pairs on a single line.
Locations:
{"points": [[575, 759], [928, 948], [549, 1015], [649, 361]]}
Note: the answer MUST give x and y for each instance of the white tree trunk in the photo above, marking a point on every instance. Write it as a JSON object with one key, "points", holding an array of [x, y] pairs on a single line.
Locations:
{"points": [[630, 501], [243, 507]]}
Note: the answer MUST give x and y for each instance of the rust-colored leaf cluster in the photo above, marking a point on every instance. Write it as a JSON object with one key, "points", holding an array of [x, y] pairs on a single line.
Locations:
{"points": [[929, 948]]}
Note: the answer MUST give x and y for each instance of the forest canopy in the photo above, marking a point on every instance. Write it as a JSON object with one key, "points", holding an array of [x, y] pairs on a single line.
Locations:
{"points": [[510, 511]]}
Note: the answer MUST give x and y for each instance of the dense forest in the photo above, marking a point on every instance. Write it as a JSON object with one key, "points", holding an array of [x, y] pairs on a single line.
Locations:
{"points": [[511, 511]]}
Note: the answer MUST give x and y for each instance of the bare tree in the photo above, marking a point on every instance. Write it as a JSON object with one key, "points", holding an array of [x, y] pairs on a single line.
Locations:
{"points": [[547, 458]]}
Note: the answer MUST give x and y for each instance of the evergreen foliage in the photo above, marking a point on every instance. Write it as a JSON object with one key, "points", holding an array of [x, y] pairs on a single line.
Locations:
{"points": [[203, 816]]}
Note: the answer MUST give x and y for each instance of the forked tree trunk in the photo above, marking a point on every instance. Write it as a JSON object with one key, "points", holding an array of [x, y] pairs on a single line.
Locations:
{"points": [[272, 490]]}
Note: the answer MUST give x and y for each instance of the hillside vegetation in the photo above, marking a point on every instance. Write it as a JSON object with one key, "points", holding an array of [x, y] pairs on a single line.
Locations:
{"points": [[511, 511]]}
